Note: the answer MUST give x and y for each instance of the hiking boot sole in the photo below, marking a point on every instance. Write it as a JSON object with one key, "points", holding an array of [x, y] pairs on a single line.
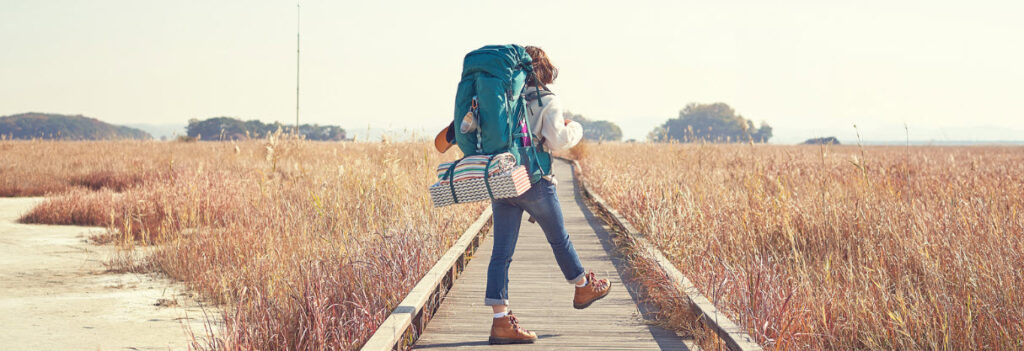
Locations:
{"points": [[504, 341], [585, 305]]}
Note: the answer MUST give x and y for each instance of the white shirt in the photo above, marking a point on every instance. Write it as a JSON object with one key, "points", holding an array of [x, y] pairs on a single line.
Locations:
{"points": [[548, 124]]}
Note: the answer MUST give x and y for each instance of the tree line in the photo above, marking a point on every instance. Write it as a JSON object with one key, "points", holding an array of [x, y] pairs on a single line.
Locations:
{"points": [[229, 128], [596, 130], [716, 122]]}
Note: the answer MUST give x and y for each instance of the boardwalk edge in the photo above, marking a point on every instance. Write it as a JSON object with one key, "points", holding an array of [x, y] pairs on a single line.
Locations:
{"points": [[732, 334], [407, 320]]}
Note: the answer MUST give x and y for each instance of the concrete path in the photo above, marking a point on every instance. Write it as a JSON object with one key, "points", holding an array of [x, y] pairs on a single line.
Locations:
{"points": [[55, 294], [541, 298]]}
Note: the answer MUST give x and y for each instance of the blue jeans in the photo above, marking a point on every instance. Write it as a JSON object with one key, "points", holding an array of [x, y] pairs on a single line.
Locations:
{"points": [[541, 202]]}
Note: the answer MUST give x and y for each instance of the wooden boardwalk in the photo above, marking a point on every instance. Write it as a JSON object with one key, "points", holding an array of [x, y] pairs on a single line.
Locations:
{"points": [[542, 300]]}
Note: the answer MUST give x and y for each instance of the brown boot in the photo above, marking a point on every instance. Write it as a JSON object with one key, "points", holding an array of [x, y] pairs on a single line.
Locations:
{"points": [[595, 289], [506, 330]]}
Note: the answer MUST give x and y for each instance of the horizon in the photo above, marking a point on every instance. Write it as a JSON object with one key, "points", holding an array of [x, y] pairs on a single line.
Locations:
{"points": [[985, 135], [946, 70]]}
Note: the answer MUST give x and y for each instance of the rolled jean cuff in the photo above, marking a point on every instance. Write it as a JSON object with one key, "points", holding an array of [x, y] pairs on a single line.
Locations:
{"points": [[492, 302], [573, 280]]}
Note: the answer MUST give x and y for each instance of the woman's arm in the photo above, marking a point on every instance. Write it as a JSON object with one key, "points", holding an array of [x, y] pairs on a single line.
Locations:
{"points": [[558, 133]]}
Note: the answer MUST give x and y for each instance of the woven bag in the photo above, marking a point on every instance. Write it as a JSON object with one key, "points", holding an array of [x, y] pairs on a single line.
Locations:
{"points": [[473, 183]]}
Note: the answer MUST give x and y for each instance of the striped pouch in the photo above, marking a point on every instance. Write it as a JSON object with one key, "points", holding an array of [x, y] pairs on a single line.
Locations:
{"points": [[479, 178]]}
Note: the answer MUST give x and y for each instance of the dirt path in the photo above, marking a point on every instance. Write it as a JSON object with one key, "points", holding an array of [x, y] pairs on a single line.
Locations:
{"points": [[55, 294]]}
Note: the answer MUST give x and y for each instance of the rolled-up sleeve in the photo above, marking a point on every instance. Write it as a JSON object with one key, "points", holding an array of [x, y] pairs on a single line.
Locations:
{"points": [[557, 135]]}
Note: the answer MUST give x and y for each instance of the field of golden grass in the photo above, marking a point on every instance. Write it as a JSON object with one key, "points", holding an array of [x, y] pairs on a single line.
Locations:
{"points": [[307, 245], [835, 247]]}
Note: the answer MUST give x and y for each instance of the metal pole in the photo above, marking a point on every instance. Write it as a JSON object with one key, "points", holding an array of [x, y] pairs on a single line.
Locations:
{"points": [[298, 18]]}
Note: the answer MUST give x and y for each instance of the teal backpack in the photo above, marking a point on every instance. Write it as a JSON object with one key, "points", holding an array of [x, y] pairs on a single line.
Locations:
{"points": [[492, 90]]}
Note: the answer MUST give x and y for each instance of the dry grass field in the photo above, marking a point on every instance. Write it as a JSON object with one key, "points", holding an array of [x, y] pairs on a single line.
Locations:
{"points": [[308, 245], [837, 247]]}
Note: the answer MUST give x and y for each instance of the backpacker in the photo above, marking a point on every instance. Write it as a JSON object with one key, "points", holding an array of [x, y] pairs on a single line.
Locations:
{"points": [[491, 123], [494, 77]]}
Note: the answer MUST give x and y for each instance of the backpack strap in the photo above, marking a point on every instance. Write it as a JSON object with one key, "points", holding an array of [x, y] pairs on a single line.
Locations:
{"points": [[537, 94], [521, 118], [475, 109], [487, 176], [529, 132], [450, 174]]}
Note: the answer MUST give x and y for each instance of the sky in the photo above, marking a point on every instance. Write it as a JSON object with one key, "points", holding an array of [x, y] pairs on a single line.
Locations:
{"points": [[930, 69]]}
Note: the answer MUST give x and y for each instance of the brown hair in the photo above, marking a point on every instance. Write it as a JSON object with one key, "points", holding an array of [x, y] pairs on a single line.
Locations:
{"points": [[542, 67]]}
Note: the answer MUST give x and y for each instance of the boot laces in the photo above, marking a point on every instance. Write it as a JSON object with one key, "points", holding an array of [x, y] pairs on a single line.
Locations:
{"points": [[598, 284], [515, 323]]}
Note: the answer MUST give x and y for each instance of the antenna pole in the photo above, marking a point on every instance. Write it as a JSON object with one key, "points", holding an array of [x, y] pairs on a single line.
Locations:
{"points": [[298, 20]]}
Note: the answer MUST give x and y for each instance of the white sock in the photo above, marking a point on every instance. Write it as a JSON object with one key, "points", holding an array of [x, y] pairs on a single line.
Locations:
{"points": [[584, 283], [500, 314]]}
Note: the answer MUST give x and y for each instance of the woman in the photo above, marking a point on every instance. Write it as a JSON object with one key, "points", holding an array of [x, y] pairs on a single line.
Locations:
{"points": [[541, 202]]}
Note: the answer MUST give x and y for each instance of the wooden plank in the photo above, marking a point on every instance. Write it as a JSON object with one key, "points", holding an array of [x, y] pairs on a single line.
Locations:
{"points": [[392, 331], [542, 299], [735, 337]]}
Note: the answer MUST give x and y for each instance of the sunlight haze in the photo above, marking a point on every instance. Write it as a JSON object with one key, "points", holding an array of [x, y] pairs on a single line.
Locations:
{"points": [[809, 68]]}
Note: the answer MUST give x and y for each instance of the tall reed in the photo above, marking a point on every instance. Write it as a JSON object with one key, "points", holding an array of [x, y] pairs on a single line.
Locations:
{"points": [[836, 247], [307, 245]]}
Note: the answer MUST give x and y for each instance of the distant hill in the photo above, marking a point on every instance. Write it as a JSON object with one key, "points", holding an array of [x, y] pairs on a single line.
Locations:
{"points": [[168, 131], [822, 141], [229, 128], [34, 125]]}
